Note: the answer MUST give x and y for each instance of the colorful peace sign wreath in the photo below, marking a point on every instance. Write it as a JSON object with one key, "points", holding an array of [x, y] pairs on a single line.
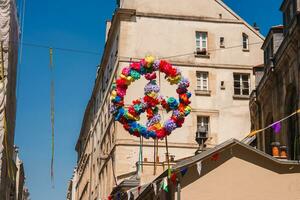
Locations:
{"points": [[130, 115]]}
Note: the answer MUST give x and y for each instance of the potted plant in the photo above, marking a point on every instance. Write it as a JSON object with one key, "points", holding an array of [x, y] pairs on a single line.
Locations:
{"points": [[275, 149]]}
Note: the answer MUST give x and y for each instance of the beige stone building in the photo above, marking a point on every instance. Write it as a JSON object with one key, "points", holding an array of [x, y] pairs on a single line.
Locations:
{"points": [[9, 37], [277, 93], [214, 48]]}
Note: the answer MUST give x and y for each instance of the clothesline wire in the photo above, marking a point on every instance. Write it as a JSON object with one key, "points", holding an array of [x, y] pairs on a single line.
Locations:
{"points": [[37, 45], [61, 48]]}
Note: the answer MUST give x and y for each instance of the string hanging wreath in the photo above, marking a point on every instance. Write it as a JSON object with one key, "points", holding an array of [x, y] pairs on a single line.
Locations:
{"points": [[129, 116]]}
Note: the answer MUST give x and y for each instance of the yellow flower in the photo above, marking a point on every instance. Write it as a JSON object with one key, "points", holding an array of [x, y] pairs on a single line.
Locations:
{"points": [[153, 95], [174, 80], [149, 60], [114, 93]]}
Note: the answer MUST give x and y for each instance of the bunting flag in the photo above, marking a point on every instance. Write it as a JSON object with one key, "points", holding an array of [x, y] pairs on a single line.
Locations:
{"points": [[118, 196], [183, 171], [154, 188], [169, 171], [276, 127], [174, 178], [128, 195], [164, 184], [215, 157], [139, 190], [52, 100], [199, 167]]}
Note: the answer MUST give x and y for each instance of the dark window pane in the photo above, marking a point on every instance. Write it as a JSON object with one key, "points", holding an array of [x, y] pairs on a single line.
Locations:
{"points": [[237, 91], [245, 91]]}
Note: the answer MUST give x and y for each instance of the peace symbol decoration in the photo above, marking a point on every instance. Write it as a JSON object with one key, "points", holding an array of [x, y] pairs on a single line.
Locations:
{"points": [[129, 116]]}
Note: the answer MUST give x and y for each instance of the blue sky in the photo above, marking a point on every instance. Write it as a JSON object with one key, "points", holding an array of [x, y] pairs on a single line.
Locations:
{"points": [[78, 25]]}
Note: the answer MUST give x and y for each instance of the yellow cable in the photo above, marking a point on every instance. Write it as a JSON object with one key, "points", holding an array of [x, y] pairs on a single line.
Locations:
{"points": [[255, 132]]}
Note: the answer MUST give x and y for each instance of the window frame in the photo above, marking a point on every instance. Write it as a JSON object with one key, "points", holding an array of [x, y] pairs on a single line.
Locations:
{"points": [[241, 82], [200, 77], [199, 39], [245, 41]]}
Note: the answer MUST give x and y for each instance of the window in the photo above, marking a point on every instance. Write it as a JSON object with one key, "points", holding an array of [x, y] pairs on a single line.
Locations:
{"points": [[222, 42], [202, 81], [245, 42], [203, 124], [269, 53], [241, 84], [201, 42]]}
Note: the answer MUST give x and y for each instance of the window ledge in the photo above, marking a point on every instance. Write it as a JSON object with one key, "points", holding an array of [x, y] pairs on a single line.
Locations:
{"points": [[202, 92], [241, 97], [246, 50], [222, 46], [202, 55]]}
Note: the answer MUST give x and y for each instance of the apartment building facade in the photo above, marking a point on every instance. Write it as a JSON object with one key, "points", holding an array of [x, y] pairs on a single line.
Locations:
{"points": [[9, 36], [214, 48]]}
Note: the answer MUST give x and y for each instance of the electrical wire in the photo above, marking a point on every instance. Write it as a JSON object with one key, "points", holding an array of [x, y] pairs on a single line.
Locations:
{"points": [[73, 50], [61, 48], [193, 53]]}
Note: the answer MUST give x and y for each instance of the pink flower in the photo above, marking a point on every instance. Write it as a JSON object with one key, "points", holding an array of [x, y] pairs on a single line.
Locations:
{"points": [[126, 71], [150, 76]]}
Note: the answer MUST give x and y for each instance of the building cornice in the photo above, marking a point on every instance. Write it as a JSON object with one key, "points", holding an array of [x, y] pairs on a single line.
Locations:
{"points": [[187, 18]]}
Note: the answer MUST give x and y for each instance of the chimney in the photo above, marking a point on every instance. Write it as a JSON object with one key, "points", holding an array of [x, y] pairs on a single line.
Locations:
{"points": [[256, 27], [108, 24]]}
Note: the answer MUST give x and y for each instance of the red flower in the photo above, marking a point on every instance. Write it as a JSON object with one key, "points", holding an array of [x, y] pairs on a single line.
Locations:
{"points": [[136, 66], [123, 120], [161, 133], [121, 83], [165, 105], [181, 90], [181, 108], [179, 121], [131, 110], [150, 101], [150, 76], [149, 113], [136, 133], [121, 92], [172, 72], [137, 101], [164, 66], [126, 126]]}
